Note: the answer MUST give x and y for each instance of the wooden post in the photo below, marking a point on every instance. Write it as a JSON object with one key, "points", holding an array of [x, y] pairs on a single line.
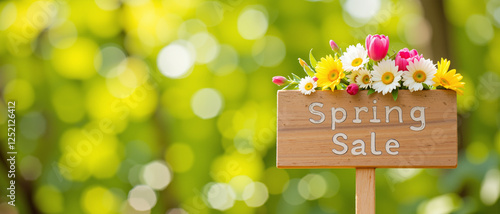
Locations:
{"points": [[365, 190]]}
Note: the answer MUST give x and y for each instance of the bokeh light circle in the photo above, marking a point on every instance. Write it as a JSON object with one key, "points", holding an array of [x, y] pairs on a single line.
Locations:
{"points": [[142, 198], [107, 61], [30, 167], [21, 91], [252, 24], [221, 196], [180, 156], [276, 179], [206, 46], [255, 194], [157, 175], [362, 9], [98, 200], [479, 29], [76, 61], [176, 59], [63, 35], [269, 51], [312, 187], [291, 193], [206, 103], [191, 27], [32, 125], [238, 183], [8, 15], [225, 62], [48, 199]]}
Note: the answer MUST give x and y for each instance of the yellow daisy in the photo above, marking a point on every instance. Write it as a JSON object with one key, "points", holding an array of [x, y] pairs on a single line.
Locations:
{"points": [[448, 79], [329, 72]]}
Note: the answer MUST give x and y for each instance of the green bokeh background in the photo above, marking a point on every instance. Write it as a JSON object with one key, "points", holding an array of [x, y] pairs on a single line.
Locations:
{"points": [[96, 117]]}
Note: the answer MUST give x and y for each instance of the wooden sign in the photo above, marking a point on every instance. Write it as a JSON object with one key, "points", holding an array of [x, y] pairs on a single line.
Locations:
{"points": [[336, 130]]}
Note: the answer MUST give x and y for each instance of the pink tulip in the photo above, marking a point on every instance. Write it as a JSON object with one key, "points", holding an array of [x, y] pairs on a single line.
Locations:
{"points": [[352, 89], [279, 80], [334, 46], [405, 56], [377, 46]]}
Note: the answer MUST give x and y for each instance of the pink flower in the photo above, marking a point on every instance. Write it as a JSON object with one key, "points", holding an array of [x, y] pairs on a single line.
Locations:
{"points": [[352, 89], [405, 56], [334, 46], [315, 79], [377, 46], [279, 80]]}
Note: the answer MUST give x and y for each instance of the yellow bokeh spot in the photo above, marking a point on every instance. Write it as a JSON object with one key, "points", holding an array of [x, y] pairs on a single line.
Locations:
{"points": [[85, 150], [77, 61], [101, 104], [275, 180], [20, 91], [49, 199], [68, 104], [477, 152], [225, 167], [103, 23], [180, 156], [99, 200]]}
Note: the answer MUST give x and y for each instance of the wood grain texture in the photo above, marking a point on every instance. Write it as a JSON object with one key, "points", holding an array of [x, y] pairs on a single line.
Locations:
{"points": [[303, 144], [365, 191]]}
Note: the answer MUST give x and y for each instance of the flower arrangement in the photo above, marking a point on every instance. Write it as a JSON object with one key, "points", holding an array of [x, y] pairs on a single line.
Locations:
{"points": [[372, 69]]}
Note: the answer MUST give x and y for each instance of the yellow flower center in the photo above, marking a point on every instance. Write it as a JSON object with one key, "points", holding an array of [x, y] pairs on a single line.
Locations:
{"points": [[308, 86], [444, 82], [366, 79], [356, 62], [387, 78], [333, 75], [419, 76]]}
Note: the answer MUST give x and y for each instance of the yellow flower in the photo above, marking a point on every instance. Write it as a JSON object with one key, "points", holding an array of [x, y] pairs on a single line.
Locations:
{"points": [[448, 79], [329, 72]]}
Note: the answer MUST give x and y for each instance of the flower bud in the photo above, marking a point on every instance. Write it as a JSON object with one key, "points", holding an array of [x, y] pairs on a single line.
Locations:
{"points": [[279, 80], [334, 46], [352, 89]]}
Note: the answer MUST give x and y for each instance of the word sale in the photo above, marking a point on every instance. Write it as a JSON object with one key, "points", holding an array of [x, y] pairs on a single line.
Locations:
{"points": [[359, 146]]}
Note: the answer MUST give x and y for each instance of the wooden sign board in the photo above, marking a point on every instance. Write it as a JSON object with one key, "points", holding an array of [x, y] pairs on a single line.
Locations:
{"points": [[336, 130]]}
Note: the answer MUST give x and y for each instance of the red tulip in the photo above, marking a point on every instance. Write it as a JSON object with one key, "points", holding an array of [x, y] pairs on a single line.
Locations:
{"points": [[377, 46]]}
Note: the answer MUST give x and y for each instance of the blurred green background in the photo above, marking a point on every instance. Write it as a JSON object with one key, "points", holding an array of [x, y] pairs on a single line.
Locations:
{"points": [[142, 106]]}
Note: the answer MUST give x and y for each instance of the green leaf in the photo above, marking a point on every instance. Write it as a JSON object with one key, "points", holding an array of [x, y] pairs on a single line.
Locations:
{"points": [[370, 91], [395, 94], [426, 87], [369, 65], [309, 71], [312, 60], [393, 56], [296, 78]]}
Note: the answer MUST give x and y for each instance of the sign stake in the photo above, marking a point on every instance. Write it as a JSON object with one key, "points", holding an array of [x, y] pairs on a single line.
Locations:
{"points": [[365, 190]]}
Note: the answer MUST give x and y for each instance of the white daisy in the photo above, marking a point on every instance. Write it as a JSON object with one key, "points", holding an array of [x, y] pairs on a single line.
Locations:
{"points": [[354, 58], [364, 79], [385, 76], [352, 77], [419, 72], [307, 85]]}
